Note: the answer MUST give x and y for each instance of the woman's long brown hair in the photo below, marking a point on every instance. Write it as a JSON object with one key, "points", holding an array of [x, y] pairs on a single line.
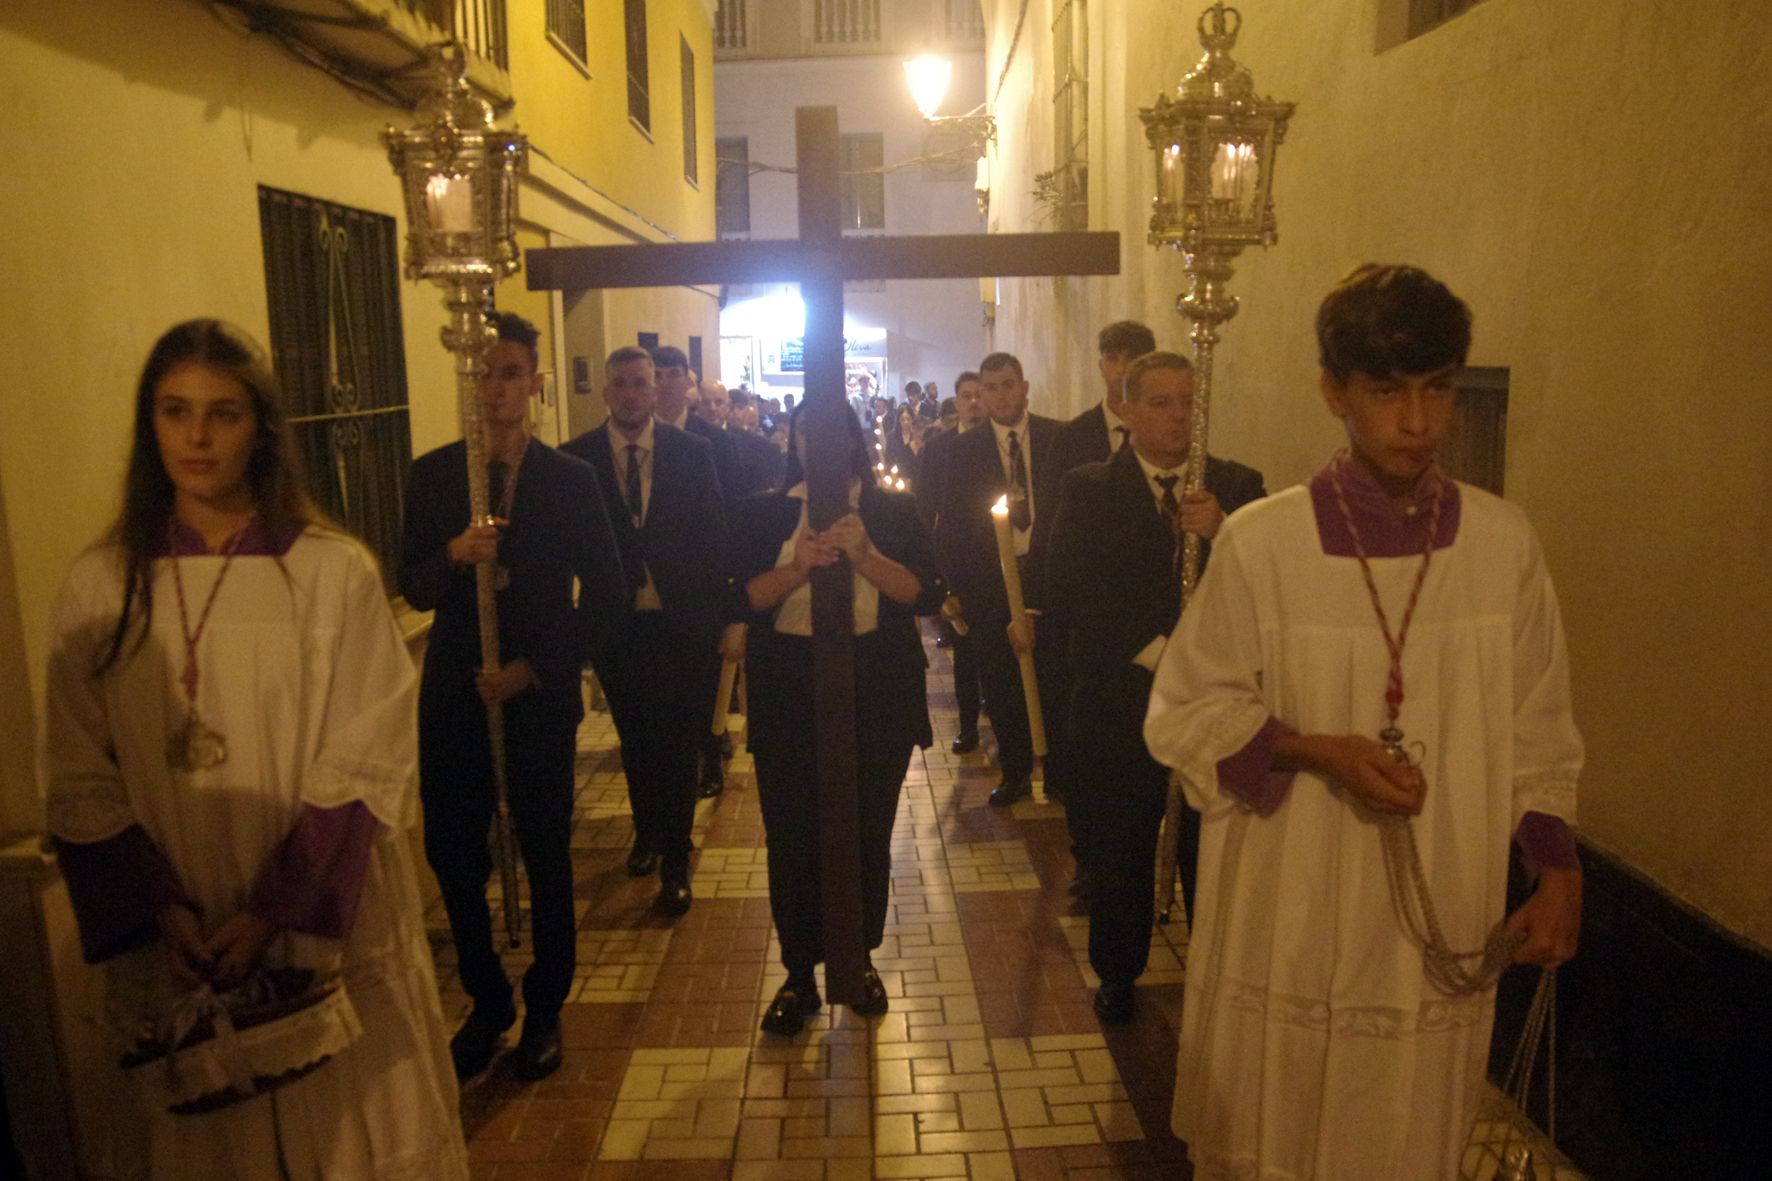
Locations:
{"points": [[273, 473]]}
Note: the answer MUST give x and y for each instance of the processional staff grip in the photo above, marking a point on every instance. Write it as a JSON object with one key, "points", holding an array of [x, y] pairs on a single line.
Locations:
{"points": [[1030, 685]]}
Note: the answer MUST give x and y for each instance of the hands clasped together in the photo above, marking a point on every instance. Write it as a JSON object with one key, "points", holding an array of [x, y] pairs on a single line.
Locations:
{"points": [[224, 958], [845, 538]]}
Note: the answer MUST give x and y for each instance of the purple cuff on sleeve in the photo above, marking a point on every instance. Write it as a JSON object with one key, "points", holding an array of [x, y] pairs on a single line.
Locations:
{"points": [[1545, 843], [1250, 774], [314, 880], [118, 887]]}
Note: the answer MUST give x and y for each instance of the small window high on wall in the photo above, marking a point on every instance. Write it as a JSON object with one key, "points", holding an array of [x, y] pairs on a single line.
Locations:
{"points": [[566, 29], [639, 75], [1475, 449], [732, 185], [691, 167]]}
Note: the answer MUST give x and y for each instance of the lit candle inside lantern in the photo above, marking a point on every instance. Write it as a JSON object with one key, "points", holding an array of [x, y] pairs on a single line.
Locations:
{"points": [[449, 203], [1030, 687], [1172, 180], [1233, 172]]}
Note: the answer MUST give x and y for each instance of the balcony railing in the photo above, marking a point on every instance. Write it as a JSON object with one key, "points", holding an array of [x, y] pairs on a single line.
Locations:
{"points": [[846, 22], [731, 25], [478, 24]]}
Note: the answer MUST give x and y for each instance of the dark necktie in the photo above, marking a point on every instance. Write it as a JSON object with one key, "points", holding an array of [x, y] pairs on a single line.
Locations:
{"points": [[495, 484], [1172, 513], [632, 490], [1125, 438], [1019, 514]]}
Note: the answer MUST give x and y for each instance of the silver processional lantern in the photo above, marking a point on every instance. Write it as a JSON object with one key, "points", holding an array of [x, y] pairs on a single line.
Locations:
{"points": [[458, 175], [1214, 139]]}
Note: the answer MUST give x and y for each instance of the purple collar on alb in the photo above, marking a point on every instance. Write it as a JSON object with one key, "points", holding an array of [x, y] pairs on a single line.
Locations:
{"points": [[1387, 530], [259, 541]]}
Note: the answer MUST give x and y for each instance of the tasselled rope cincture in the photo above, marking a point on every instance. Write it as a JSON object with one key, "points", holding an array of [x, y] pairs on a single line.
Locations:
{"points": [[1455, 973]]}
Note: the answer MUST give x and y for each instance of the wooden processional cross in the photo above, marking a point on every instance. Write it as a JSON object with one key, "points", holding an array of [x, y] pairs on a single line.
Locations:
{"points": [[820, 261]]}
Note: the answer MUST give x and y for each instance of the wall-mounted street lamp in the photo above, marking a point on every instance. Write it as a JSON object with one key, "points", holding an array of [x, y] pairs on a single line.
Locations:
{"points": [[928, 76]]}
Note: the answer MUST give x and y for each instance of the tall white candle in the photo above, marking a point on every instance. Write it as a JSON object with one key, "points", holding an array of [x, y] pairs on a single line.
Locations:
{"points": [[1030, 686]]}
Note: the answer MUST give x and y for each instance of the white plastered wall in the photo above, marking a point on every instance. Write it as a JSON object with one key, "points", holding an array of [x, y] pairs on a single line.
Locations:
{"points": [[1593, 179]]}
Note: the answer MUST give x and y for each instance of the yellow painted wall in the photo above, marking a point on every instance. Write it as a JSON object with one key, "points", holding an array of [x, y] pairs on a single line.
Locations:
{"points": [[1593, 178], [152, 126]]}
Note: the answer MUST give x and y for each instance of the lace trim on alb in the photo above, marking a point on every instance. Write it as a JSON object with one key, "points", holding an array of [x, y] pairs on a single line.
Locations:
{"points": [[1384, 1022], [87, 814], [1551, 791]]}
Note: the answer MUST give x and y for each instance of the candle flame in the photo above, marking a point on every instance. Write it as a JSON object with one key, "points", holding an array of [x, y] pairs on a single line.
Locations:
{"points": [[1001, 508]]}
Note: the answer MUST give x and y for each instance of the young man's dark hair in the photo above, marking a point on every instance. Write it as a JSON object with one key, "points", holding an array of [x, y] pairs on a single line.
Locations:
{"points": [[1384, 320], [514, 328], [669, 356], [740, 398], [968, 375], [1003, 361], [1127, 337]]}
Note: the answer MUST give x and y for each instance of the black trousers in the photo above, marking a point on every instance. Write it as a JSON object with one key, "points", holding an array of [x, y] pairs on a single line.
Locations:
{"points": [[999, 674], [1052, 670], [968, 692], [787, 788], [653, 677], [456, 788], [1115, 813]]}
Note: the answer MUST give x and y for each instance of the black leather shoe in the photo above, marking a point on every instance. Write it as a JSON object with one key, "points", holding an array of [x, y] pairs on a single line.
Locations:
{"points": [[712, 784], [674, 895], [1114, 1002], [643, 861], [873, 1001], [965, 742], [1011, 790], [793, 1003], [1080, 883], [538, 1050], [477, 1040]]}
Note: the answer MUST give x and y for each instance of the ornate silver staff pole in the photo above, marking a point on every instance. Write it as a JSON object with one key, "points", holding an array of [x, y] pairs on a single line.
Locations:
{"points": [[1215, 141], [458, 176]]}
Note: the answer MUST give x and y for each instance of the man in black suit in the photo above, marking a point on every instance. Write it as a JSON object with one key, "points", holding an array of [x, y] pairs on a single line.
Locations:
{"points": [[1114, 586], [669, 522], [930, 487], [676, 395], [550, 528], [1091, 437], [1011, 454], [757, 463]]}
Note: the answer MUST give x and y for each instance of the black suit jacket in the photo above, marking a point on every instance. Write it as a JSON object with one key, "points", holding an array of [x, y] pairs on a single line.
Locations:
{"points": [[1111, 578], [932, 473], [891, 706], [724, 455], [683, 538], [758, 465], [964, 542], [558, 531], [1083, 440]]}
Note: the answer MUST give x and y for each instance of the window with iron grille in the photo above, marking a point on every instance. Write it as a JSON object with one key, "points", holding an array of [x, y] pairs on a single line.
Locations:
{"points": [[862, 156], [732, 185], [1430, 14], [691, 165], [845, 22], [332, 277], [1070, 113], [1475, 449], [639, 75], [566, 27], [730, 24], [965, 20]]}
